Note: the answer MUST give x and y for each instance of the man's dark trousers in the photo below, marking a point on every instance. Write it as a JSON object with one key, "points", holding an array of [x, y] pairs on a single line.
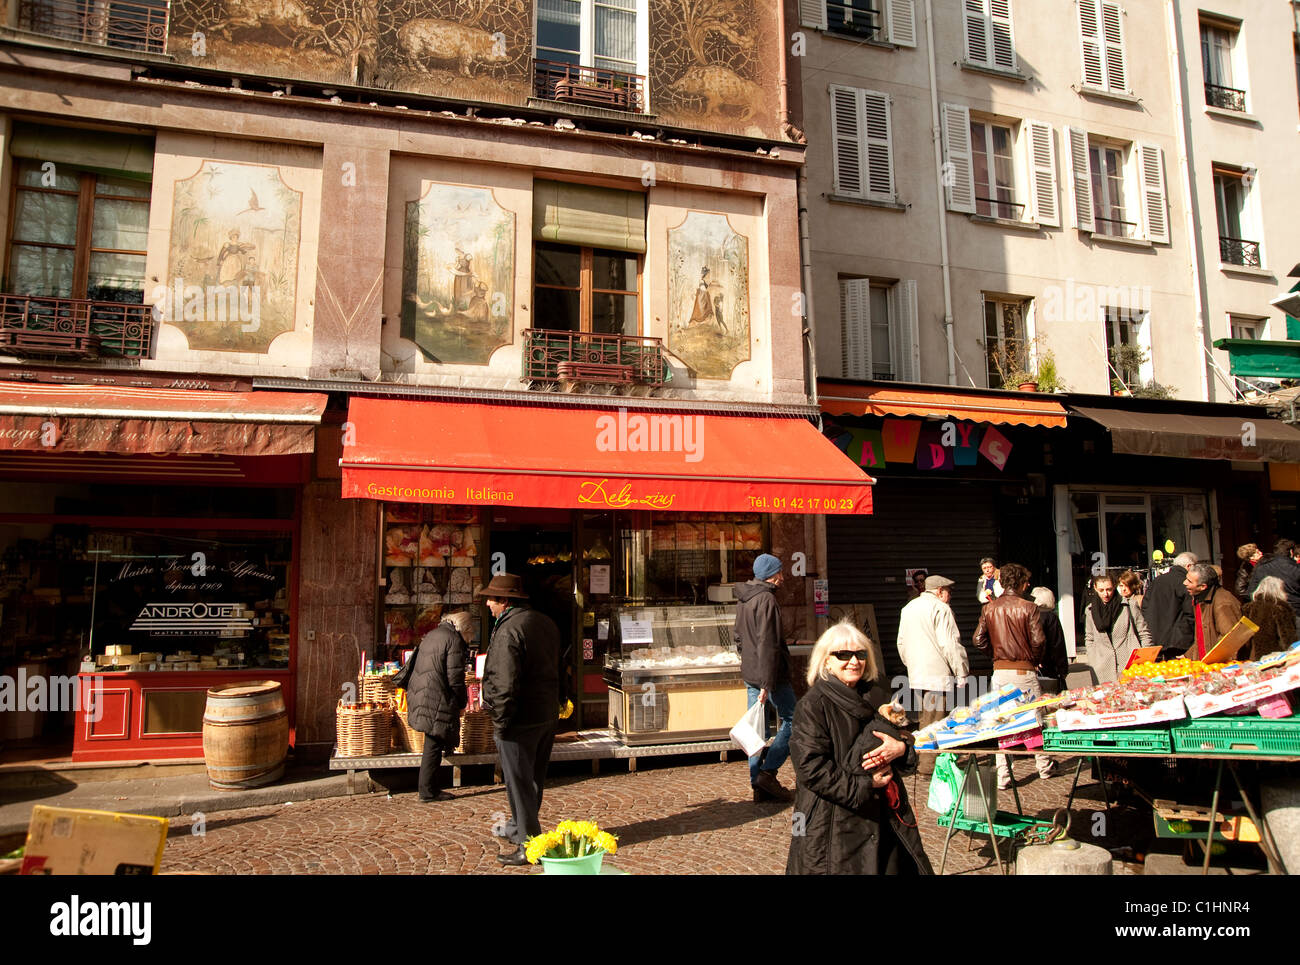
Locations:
{"points": [[525, 752]]}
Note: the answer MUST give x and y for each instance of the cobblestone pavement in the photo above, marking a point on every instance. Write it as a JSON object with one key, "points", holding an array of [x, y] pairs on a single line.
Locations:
{"points": [[695, 818]]}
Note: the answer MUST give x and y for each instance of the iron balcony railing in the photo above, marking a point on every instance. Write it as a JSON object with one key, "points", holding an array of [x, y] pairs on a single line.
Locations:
{"points": [[1228, 98], [37, 326], [997, 208], [1237, 251], [1115, 228], [557, 81], [139, 25], [552, 355]]}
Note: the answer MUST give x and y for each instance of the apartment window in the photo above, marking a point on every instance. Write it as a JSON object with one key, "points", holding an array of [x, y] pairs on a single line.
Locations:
{"points": [[134, 25], [594, 33], [994, 170], [580, 289], [989, 161], [1119, 189], [1101, 37], [891, 21], [1242, 326], [1106, 167], [878, 330], [862, 144], [1232, 208], [1224, 86], [990, 41], [1128, 347], [1006, 347]]}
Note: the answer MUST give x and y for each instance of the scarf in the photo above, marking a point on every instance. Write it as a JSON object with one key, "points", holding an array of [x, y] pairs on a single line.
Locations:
{"points": [[1104, 615]]}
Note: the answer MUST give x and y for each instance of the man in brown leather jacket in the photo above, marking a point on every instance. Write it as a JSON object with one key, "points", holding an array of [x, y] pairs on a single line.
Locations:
{"points": [[1012, 627]]}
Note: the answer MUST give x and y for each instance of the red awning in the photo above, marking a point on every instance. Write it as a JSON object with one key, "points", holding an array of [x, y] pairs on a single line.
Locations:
{"points": [[1025, 409], [584, 458], [85, 418]]}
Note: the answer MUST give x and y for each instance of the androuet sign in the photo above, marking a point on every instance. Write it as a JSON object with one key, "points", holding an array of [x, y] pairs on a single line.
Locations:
{"points": [[191, 619]]}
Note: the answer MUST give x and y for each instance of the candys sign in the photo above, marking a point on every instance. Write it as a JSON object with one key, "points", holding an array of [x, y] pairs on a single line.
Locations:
{"points": [[932, 446]]}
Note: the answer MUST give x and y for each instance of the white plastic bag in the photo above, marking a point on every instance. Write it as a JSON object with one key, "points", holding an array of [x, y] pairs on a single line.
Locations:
{"points": [[750, 730]]}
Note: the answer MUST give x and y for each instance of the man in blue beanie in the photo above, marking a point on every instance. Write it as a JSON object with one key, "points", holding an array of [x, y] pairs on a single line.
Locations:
{"points": [[765, 666]]}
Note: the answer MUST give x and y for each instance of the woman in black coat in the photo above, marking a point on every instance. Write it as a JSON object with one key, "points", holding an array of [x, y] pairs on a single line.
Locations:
{"points": [[435, 696], [851, 812]]}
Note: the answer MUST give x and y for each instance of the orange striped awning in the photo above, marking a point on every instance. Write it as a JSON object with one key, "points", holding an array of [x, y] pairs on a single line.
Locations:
{"points": [[1000, 408]]}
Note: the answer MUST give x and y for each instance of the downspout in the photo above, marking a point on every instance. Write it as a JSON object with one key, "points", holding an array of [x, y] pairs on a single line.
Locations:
{"points": [[1178, 74], [808, 332], [938, 182]]}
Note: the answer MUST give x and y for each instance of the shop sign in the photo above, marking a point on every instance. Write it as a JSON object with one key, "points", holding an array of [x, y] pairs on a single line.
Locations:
{"points": [[192, 619], [929, 446]]}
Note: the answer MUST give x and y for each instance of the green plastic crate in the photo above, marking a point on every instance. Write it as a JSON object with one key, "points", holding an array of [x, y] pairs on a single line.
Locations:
{"points": [[1131, 740], [1243, 736]]}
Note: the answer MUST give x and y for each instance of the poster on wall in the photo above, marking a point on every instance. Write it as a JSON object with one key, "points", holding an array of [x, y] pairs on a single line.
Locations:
{"points": [[458, 274], [916, 581], [708, 295]]}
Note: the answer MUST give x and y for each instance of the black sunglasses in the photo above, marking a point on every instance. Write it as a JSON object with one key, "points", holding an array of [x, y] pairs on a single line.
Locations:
{"points": [[844, 656]]}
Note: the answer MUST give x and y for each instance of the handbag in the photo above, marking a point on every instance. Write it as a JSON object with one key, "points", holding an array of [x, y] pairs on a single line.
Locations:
{"points": [[403, 677], [750, 730]]}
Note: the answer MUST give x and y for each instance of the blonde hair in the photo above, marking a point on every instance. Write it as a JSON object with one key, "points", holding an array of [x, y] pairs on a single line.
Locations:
{"points": [[461, 620], [842, 636]]}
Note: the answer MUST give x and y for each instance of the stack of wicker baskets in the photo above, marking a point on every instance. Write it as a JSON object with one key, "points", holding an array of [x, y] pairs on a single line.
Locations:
{"points": [[363, 729], [476, 724], [406, 737]]}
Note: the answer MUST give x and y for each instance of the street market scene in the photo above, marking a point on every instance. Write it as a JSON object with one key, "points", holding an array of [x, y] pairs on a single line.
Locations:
{"points": [[649, 437]]}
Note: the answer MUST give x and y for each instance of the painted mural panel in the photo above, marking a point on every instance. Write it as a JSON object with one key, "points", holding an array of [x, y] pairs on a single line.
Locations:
{"points": [[708, 294], [458, 274], [233, 257], [714, 63]]}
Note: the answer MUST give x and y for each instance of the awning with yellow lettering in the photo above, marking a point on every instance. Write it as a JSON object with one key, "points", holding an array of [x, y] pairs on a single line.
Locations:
{"points": [[579, 457]]}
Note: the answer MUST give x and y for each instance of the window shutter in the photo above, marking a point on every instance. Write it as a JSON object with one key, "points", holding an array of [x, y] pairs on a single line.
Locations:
{"points": [[904, 345], [959, 175], [1004, 41], [879, 145], [977, 33], [1151, 171], [1142, 333], [901, 22], [855, 327], [1094, 72], [846, 141], [1112, 34], [1081, 179], [812, 13], [1042, 173]]}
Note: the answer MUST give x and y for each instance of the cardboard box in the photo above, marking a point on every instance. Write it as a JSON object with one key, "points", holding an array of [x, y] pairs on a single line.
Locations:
{"points": [[1203, 705], [1161, 712], [71, 841], [125, 660], [117, 650]]}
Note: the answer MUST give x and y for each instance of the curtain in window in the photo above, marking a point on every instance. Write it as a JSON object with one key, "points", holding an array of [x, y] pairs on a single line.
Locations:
{"points": [[559, 33], [616, 35]]}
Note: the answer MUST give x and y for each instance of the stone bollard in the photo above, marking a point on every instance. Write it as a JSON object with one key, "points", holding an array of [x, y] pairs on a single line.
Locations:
{"points": [[1066, 857], [1280, 801]]}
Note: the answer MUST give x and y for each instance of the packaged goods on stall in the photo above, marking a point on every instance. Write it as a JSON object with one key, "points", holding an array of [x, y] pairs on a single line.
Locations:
{"points": [[991, 717]]}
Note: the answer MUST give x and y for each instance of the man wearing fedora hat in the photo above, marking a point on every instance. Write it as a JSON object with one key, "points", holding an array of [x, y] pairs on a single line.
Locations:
{"points": [[521, 690]]}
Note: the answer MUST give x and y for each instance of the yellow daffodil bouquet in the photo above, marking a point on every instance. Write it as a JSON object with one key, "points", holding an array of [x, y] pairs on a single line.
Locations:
{"points": [[570, 839]]}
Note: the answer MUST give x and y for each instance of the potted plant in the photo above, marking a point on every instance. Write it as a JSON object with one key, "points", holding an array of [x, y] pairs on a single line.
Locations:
{"points": [[1049, 377], [573, 848], [1013, 360]]}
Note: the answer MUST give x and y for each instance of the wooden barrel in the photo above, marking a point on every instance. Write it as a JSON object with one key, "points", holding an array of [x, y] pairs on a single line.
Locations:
{"points": [[245, 735]]}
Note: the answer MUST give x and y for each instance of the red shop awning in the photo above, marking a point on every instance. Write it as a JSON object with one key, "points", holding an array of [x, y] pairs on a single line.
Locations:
{"points": [[584, 458], [88, 418]]}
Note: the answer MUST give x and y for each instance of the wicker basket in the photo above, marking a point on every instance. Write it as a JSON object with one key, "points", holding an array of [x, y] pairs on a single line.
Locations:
{"points": [[376, 688], [363, 731], [475, 733], [406, 737]]}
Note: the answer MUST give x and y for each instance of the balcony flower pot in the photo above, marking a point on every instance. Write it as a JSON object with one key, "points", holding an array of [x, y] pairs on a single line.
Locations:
{"points": [[1029, 386]]}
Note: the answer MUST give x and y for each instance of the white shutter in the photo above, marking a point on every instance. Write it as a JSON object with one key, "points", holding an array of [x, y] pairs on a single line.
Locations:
{"points": [[900, 22], [1042, 173], [977, 32], [1151, 175], [855, 327], [1142, 332], [846, 141], [1081, 179], [1112, 35], [904, 345], [1004, 42], [1094, 69], [812, 13], [879, 145], [959, 173]]}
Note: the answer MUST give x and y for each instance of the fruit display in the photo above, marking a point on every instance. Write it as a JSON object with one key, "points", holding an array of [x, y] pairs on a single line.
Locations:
{"points": [[1171, 669]]}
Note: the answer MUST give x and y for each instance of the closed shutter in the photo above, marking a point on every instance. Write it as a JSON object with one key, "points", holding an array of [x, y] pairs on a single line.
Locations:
{"points": [[846, 141], [904, 341], [1151, 170], [1112, 35], [1080, 179], [935, 525], [1004, 44], [1042, 173], [959, 174], [977, 32], [812, 13], [901, 22], [879, 145], [1094, 69], [855, 327]]}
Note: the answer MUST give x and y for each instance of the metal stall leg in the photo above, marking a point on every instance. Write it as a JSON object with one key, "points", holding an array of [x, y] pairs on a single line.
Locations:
{"points": [[1214, 819]]}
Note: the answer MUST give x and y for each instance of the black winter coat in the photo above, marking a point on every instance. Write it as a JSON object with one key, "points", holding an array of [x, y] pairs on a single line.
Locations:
{"points": [[843, 816], [764, 657], [521, 676], [1285, 570], [1242, 587], [1056, 659], [435, 694], [1168, 611]]}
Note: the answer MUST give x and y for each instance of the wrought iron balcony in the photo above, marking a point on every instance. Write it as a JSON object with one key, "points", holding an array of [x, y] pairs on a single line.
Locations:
{"points": [[1228, 98], [552, 355], [1115, 228], [139, 25], [557, 81], [32, 326], [1236, 251], [998, 208]]}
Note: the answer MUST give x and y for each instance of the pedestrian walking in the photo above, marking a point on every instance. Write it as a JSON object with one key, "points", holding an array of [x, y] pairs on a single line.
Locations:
{"points": [[1250, 555], [521, 691], [1168, 609], [1113, 628], [765, 667], [1056, 658], [990, 581], [1216, 609], [847, 760], [1269, 611], [435, 696], [929, 644], [1011, 627], [1129, 587], [1282, 564]]}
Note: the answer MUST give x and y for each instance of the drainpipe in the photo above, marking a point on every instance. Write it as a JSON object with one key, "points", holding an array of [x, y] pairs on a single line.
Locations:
{"points": [[938, 182], [783, 112], [809, 334]]}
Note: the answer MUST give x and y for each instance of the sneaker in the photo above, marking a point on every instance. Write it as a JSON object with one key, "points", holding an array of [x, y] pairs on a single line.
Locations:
{"points": [[1004, 784], [1049, 771]]}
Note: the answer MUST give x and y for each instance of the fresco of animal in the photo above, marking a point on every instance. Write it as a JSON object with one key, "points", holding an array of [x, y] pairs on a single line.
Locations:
{"points": [[290, 17], [445, 42], [720, 89]]}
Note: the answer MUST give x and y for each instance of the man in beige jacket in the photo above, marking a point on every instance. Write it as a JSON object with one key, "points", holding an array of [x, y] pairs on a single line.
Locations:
{"points": [[929, 644]]}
